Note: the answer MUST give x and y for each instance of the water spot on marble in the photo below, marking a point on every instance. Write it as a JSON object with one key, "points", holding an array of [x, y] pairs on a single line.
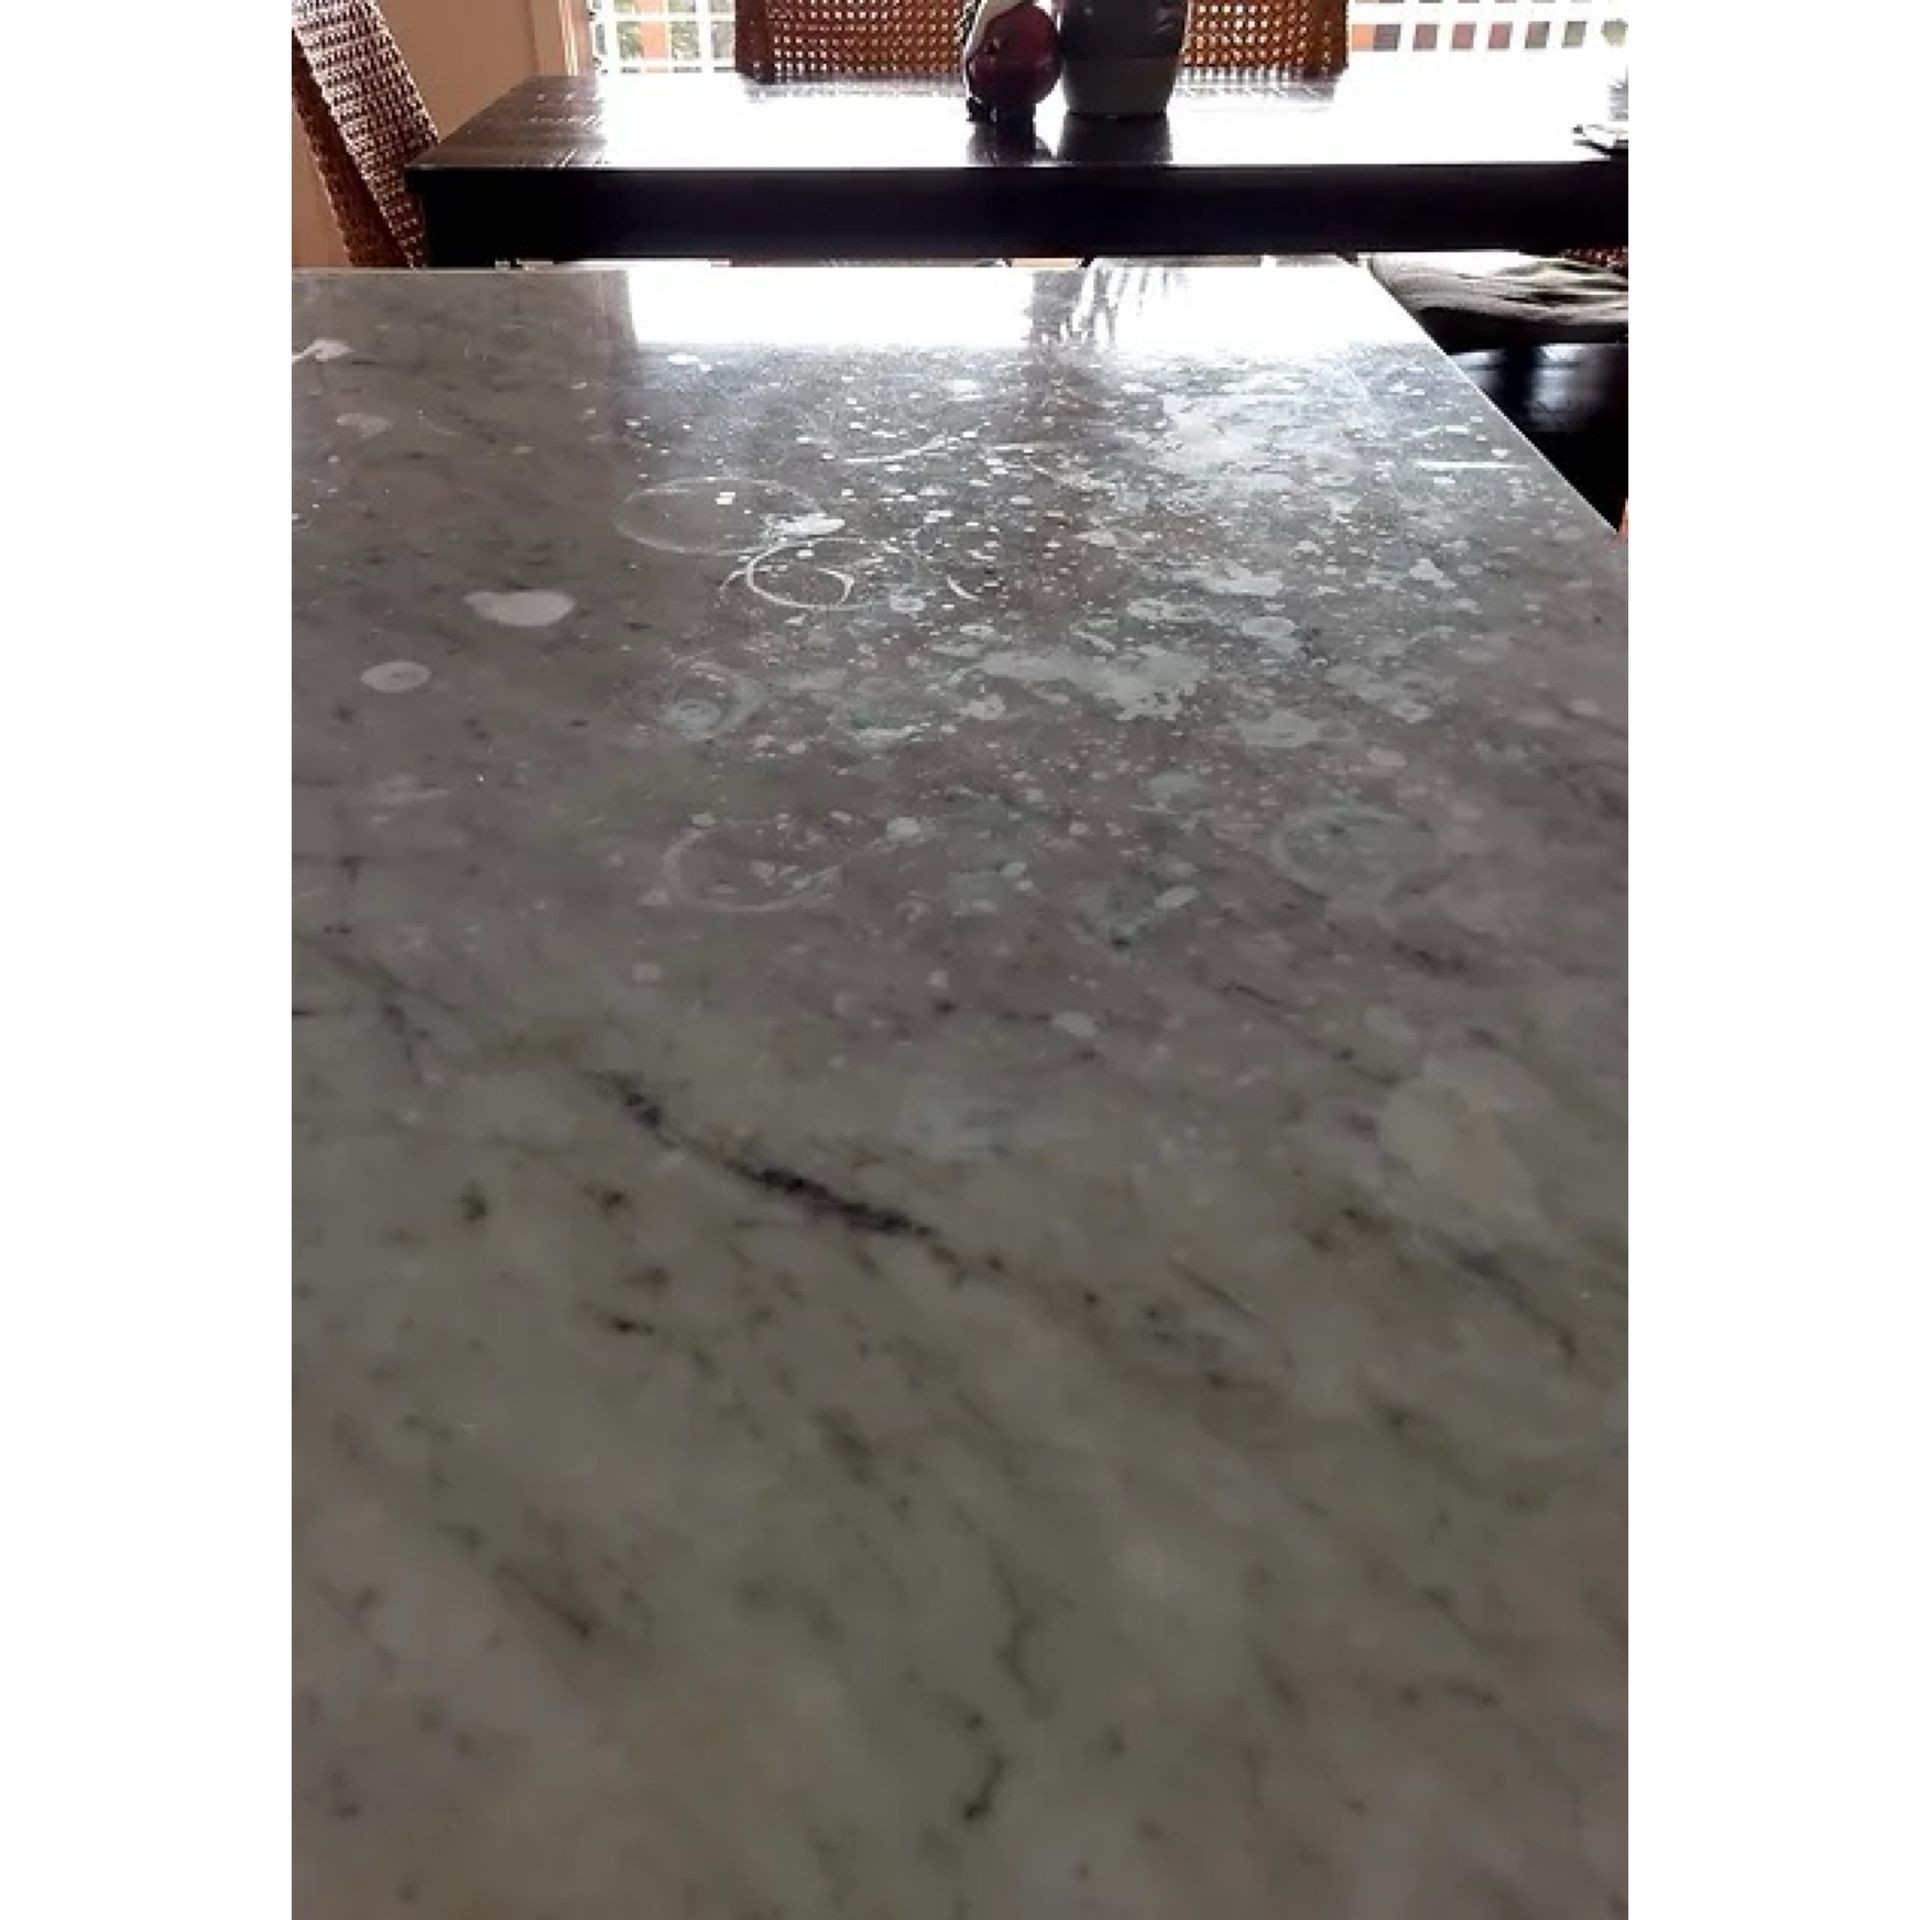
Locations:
{"points": [[708, 701], [1166, 789], [822, 680], [1082, 1026], [1154, 684], [1176, 897], [866, 734], [904, 830], [366, 425], [643, 973], [748, 867], [402, 790], [822, 575], [948, 1126], [1389, 696], [533, 607], [689, 516], [802, 526], [938, 980], [1349, 851], [322, 350], [1448, 1129], [937, 444], [1099, 537], [1427, 573], [1275, 633], [1154, 611], [396, 676], [684, 360], [1280, 729], [1233, 579], [1386, 758]]}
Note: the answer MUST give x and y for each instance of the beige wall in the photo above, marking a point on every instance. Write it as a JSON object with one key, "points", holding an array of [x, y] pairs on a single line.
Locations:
{"points": [[463, 53]]}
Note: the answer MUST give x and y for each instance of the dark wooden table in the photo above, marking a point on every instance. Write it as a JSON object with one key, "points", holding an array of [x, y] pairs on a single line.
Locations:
{"points": [[1451, 154]]}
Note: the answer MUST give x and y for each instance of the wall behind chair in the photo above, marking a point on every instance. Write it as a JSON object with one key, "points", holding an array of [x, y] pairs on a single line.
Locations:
{"points": [[463, 53]]}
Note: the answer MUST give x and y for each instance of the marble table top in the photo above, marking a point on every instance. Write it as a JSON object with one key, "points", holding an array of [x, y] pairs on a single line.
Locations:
{"points": [[960, 1087]]}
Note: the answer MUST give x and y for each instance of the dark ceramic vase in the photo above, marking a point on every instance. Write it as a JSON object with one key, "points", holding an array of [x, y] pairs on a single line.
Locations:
{"points": [[1119, 58]]}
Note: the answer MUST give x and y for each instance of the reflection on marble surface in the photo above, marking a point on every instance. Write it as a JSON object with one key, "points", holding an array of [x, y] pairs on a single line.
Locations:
{"points": [[960, 1051]]}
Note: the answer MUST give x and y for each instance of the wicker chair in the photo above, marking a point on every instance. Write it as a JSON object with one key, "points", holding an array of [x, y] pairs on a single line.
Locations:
{"points": [[824, 39], [1306, 37], [364, 120]]}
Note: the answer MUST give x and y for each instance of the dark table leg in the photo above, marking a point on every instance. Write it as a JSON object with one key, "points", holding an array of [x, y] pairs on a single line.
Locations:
{"points": [[455, 237]]}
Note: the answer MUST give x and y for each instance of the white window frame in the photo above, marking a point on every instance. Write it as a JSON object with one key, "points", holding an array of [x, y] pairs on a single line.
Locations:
{"points": [[1445, 15]]}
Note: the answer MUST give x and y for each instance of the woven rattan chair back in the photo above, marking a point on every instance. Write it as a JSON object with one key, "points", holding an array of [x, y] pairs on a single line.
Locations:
{"points": [[825, 39], [364, 120], [1305, 37]]}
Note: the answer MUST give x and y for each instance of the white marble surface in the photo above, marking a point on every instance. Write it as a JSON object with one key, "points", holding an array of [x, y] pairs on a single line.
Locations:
{"points": [[960, 1187]]}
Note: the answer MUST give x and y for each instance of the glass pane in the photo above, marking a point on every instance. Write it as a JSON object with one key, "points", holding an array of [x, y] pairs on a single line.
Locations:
{"points": [[723, 42], [684, 42]]}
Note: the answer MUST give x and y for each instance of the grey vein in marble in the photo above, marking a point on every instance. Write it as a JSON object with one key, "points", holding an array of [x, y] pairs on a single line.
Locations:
{"points": [[960, 1066]]}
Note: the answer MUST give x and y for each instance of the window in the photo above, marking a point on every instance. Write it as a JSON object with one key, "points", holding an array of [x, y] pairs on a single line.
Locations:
{"points": [[661, 36], [696, 36], [1408, 27]]}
